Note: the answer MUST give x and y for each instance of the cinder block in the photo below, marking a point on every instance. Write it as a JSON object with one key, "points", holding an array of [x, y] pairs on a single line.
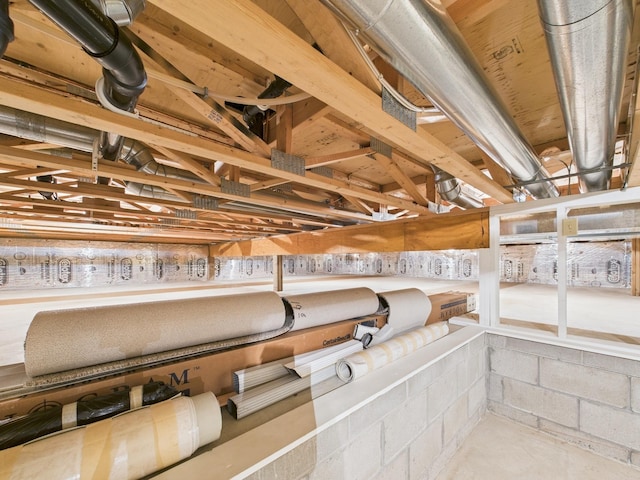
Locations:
{"points": [[442, 393], [331, 467], [363, 456], [477, 397], [565, 354], [425, 448], [586, 441], [421, 381], [404, 424], [618, 426], [496, 341], [548, 404], [455, 418], [635, 459], [508, 363], [635, 394], [478, 344], [376, 409], [612, 364], [586, 382], [477, 365], [294, 464], [495, 388], [336, 437], [398, 469], [513, 413], [463, 377]]}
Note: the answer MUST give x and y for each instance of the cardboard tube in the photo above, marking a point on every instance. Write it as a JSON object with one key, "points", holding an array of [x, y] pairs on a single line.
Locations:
{"points": [[62, 340], [127, 446]]}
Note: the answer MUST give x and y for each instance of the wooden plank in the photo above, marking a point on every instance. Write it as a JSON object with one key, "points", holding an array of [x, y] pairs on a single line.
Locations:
{"points": [[464, 230], [284, 127], [331, 36], [498, 173], [401, 177], [278, 273], [190, 164], [310, 71], [32, 99], [323, 160]]}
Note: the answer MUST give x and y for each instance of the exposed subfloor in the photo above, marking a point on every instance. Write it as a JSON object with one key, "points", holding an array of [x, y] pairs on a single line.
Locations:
{"points": [[500, 449]]}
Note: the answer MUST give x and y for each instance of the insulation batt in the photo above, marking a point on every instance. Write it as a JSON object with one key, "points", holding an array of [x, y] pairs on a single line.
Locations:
{"points": [[360, 364], [127, 446]]}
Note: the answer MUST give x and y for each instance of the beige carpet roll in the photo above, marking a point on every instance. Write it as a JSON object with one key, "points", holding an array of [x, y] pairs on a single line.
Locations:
{"points": [[313, 309], [361, 363], [127, 446], [408, 308], [66, 339]]}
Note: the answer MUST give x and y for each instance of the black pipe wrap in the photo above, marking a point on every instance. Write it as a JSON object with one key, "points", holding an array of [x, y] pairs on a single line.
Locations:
{"points": [[38, 424], [6, 27]]}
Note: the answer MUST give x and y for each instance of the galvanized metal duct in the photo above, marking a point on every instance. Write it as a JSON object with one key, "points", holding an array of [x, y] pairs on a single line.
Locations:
{"points": [[450, 190], [123, 12], [588, 42], [6, 27], [421, 41], [37, 128]]}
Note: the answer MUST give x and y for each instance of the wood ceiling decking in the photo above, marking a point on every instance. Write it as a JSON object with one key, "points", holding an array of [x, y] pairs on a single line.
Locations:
{"points": [[234, 48]]}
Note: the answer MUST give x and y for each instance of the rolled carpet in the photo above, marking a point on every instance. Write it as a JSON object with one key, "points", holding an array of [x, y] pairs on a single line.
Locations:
{"points": [[314, 309], [127, 446], [360, 364], [62, 340]]}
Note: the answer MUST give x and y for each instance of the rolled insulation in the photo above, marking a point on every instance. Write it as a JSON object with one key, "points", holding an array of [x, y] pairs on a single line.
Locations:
{"points": [[127, 446], [313, 309], [361, 363], [84, 412], [408, 308], [68, 339]]}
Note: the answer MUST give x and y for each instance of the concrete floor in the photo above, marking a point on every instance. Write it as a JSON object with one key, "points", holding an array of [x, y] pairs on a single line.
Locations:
{"points": [[500, 449]]}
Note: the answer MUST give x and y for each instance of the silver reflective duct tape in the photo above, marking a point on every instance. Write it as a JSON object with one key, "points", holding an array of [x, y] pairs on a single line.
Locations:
{"points": [[362, 363]]}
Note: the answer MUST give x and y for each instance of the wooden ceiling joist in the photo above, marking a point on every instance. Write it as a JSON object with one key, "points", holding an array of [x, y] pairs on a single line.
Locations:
{"points": [[309, 70]]}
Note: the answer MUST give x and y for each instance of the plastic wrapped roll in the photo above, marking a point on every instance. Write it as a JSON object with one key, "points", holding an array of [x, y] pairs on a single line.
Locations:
{"points": [[38, 424], [314, 309], [66, 339], [408, 308], [127, 446], [361, 363]]}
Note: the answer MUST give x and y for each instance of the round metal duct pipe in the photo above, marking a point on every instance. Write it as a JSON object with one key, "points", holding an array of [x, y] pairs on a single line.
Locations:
{"points": [[421, 41], [588, 42]]}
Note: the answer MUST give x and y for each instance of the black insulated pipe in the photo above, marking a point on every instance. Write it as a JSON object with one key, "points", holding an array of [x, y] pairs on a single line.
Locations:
{"points": [[253, 115], [122, 67], [6, 27], [125, 78]]}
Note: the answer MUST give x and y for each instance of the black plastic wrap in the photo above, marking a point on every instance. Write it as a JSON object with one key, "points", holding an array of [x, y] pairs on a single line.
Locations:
{"points": [[38, 424]]}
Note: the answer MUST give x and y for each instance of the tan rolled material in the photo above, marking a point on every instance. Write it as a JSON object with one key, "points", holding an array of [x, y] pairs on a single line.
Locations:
{"points": [[408, 308], [361, 363], [67, 339], [314, 309], [127, 446]]}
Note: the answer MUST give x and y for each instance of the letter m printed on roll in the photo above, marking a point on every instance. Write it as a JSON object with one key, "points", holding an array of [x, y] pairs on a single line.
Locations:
{"points": [[183, 379]]}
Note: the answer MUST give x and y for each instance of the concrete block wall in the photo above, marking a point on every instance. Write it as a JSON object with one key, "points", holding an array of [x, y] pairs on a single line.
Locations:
{"points": [[588, 399], [408, 432]]}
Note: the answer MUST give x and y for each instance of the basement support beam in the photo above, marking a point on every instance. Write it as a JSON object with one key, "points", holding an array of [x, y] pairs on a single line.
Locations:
{"points": [[464, 230]]}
